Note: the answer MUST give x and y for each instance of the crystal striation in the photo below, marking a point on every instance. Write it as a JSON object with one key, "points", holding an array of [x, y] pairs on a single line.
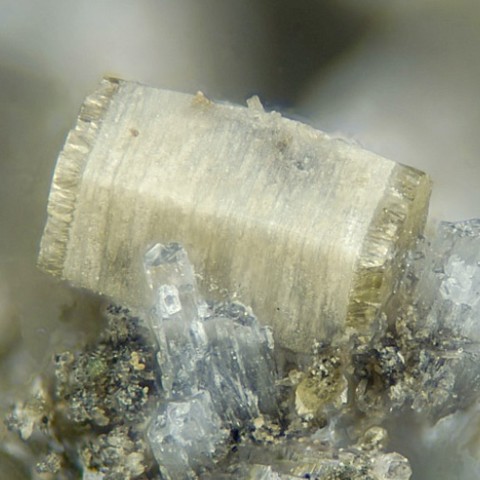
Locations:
{"points": [[273, 212]]}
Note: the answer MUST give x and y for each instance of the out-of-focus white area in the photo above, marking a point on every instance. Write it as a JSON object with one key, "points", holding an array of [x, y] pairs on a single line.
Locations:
{"points": [[410, 90], [448, 450], [180, 45], [402, 77]]}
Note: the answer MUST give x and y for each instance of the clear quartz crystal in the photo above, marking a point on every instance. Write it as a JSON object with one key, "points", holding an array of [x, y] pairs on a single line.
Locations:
{"points": [[174, 318], [171, 277], [216, 365]]}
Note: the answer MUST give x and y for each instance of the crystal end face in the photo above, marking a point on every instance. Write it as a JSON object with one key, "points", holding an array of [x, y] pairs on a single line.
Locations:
{"points": [[170, 275]]}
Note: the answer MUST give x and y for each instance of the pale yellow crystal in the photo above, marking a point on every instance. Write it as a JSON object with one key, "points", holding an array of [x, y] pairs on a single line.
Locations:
{"points": [[303, 227]]}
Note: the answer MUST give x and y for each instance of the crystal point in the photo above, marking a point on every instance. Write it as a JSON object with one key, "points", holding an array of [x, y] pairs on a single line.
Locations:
{"points": [[171, 278]]}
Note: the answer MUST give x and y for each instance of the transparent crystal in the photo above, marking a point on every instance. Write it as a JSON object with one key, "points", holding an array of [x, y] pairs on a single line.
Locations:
{"points": [[216, 365], [452, 294], [185, 435], [439, 325], [170, 275], [174, 318], [240, 369]]}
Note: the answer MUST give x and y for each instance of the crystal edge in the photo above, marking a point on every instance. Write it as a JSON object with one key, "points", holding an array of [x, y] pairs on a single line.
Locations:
{"points": [[67, 177]]}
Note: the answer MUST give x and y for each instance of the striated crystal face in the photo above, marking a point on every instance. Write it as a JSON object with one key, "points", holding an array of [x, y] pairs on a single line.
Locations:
{"points": [[274, 211]]}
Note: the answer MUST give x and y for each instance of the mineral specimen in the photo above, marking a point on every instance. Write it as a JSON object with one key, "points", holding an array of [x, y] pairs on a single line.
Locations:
{"points": [[185, 436], [305, 228], [425, 365], [203, 399], [446, 272], [370, 325], [310, 459]]}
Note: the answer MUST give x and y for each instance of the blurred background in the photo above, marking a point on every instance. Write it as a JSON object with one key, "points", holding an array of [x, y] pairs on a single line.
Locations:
{"points": [[400, 77]]}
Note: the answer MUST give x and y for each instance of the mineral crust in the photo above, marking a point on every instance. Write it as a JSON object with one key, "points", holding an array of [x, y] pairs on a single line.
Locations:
{"points": [[437, 322]]}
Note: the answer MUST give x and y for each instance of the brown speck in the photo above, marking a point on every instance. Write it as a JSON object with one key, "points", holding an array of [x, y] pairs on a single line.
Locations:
{"points": [[134, 132], [201, 100]]}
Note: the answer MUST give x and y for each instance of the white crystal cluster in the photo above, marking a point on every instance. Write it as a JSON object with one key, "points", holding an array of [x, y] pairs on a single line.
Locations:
{"points": [[216, 364], [444, 278], [203, 393], [448, 288], [218, 381], [308, 457]]}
